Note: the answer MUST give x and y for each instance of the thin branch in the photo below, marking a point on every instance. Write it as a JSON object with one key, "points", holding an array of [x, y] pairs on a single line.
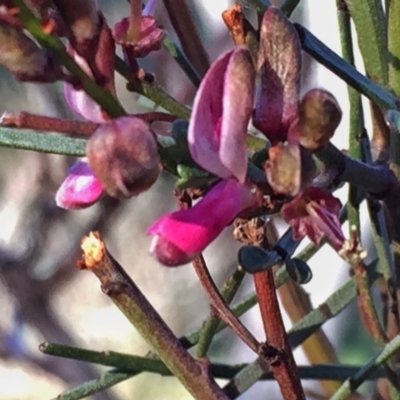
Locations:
{"points": [[186, 29], [345, 71], [49, 142], [126, 295], [220, 306], [54, 44], [351, 384], [210, 326]]}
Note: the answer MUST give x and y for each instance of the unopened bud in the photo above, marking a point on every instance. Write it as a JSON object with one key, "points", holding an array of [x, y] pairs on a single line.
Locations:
{"points": [[319, 116], [27, 61], [123, 155]]}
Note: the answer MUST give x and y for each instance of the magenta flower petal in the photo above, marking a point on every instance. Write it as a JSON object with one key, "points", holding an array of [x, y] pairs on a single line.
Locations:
{"points": [[221, 113], [280, 68], [180, 236], [80, 189], [315, 213]]}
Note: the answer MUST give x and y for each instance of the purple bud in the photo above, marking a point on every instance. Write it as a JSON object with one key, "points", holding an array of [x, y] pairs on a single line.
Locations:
{"points": [[279, 68], [123, 155]]}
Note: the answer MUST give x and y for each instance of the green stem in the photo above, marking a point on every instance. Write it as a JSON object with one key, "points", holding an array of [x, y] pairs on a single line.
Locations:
{"points": [[393, 12], [351, 384], [289, 6], [176, 53], [136, 364], [48, 142], [151, 90], [89, 388], [370, 24], [345, 71]]}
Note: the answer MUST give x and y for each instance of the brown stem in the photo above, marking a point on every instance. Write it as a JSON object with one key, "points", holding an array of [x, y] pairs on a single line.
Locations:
{"points": [[116, 283], [42, 123], [366, 306], [72, 128], [284, 369], [220, 306], [182, 21]]}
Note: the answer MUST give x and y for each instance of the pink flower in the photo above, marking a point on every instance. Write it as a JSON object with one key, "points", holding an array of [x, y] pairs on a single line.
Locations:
{"points": [[80, 189], [217, 135], [315, 213], [122, 160]]}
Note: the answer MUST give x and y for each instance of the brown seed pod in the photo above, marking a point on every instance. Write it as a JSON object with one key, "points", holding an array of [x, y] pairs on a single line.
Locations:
{"points": [[319, 116], [123, 155]]}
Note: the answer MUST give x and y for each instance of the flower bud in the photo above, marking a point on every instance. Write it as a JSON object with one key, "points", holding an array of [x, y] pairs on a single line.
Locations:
{"points": [[123, 155], [27, 61], [279, 67], [319, 116]]}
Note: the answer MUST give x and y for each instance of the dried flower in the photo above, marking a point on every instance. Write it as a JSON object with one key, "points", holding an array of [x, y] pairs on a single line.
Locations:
{"points": [[315, 213]]}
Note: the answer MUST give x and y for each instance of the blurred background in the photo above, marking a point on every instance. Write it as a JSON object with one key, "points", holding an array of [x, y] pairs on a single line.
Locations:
{"points": [[43, 297]]}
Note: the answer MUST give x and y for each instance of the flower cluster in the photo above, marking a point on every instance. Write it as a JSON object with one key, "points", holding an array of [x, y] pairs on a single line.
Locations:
{"points": [[121, 155], [122, 158], [217, 135]]}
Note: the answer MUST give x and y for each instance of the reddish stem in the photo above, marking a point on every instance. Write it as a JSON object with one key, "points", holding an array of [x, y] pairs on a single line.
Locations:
{"points": [[284, 367], [69, 127]]}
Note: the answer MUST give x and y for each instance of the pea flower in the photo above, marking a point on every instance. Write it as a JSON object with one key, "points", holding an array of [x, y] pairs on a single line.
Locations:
{"points": [[217, 142], [122, 160], [295, 128]]}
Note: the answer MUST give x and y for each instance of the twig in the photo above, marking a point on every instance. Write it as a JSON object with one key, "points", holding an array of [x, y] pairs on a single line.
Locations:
{"points": [[345, 71], [109, 379], [126, 295], [182, 21], [284, 369], [53, 43], [210, 327], [351, 384], [222, 309], [176, 53], [49, 142], [136, 364], [151, 90]]}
